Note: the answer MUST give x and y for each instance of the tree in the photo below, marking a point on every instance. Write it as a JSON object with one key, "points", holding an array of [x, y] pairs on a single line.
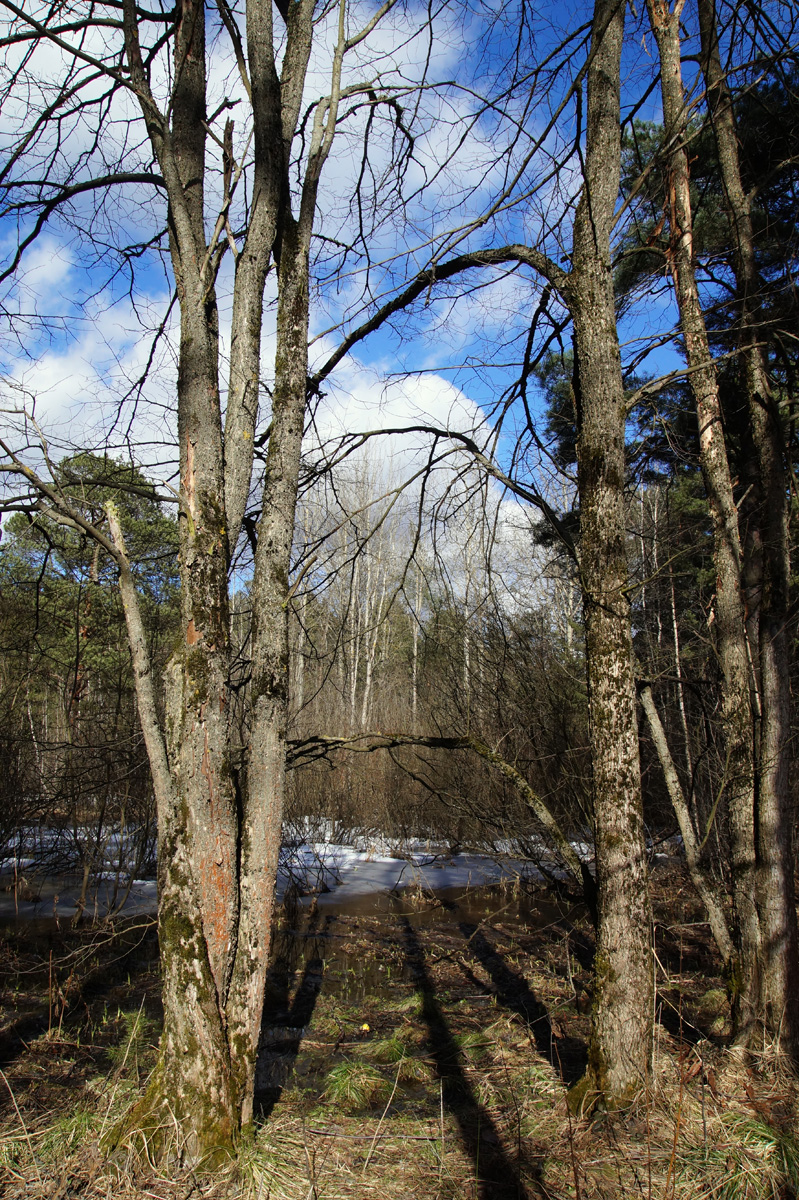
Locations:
{"points": [[779, 958], [219, 807], [755, 702], [620, 1054], [66, 665], [621, 1044]]}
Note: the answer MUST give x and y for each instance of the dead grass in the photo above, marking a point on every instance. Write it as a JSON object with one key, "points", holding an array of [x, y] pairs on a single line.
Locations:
{"points": [[684, 1140], [462, 1087]]}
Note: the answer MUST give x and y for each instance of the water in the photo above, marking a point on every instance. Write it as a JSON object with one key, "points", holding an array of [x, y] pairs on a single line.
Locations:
{"points": [[370, 956], [334, 944]]}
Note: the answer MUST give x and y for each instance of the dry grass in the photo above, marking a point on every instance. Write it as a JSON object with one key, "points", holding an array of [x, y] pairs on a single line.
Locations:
{"points": [[441, 1089], [709, 1128]]}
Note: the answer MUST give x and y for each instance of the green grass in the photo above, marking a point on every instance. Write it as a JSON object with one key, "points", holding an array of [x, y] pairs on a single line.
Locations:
{"points": [[138, 1035], [752, 1161], [353, 1084], [12, 1150], [67, 1133], [394, 1051], [387, 1050], [410, 1006], [473, 1044]]}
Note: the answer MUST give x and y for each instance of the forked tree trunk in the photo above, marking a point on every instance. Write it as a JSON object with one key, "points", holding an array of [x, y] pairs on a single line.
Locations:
{"points": [[220, 827], [219, 831], [775, 860], [621, 1037], [739, 781]]}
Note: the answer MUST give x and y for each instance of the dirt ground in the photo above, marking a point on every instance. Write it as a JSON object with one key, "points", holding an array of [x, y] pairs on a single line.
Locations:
{"points": [[415, 1047]]}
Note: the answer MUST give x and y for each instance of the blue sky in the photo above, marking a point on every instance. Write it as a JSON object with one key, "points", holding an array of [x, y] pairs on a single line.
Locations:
{"points": [[80, 329]]}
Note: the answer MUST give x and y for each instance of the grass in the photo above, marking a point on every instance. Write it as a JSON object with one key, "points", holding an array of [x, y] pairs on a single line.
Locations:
{"points": [[353, 1084], [388, 1050], [395, 1051], [473, 1044], [138, 1035], [410, 1006], [751, 1160], [393, 1111], [681, 1142]]}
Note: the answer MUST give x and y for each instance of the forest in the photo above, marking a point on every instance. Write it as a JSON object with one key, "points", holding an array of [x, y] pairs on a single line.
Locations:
{"points": [[398, 461]]}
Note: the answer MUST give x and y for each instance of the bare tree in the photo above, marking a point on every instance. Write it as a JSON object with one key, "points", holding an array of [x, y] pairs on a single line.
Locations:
{"points": [[620, 1056], [219, 808], [621, 1044], [779, 966], [751, 644]]}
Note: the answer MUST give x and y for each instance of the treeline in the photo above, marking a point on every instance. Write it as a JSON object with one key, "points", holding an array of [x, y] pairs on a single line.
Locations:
{"points": [[468, 627], [385, 637], [581, 617]]}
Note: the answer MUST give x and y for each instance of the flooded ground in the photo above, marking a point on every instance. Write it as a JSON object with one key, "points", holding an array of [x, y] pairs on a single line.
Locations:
{"points": [[346, 939], [415, 1044], [334, 873], [357, 964]]}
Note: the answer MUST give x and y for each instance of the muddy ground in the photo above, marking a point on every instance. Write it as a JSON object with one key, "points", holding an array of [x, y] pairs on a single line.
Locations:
{"points": [[413, 1046]]}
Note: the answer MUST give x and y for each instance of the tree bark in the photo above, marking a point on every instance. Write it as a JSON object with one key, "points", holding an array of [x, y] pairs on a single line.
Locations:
{"points": [[219, 829], [729, 611], [775, 859], [707, 893], [263, 795], [621, 1037]]}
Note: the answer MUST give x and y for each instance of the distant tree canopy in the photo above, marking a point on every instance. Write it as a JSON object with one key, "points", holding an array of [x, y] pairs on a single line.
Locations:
{"points": [[65, 673]]}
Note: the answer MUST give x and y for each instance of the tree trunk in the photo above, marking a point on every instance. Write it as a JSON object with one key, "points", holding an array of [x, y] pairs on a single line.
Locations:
{"points": [[775, 862], [263, 795], [729, 608], [188, 1109], [703, 885], [621, 1037], [219, 833]]}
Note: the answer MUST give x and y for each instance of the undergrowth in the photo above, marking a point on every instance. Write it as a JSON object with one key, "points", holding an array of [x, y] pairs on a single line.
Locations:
{"points": [[437, 1091]]}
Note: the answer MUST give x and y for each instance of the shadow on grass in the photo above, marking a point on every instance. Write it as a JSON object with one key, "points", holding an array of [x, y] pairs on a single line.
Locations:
{"points": [[71, 972], [566, 1054], [285, 1018], [498, 1170]]}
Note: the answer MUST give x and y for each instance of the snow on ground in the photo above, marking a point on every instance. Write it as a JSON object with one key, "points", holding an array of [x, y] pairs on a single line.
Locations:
{"points": [[348, 871], [332, 871]]}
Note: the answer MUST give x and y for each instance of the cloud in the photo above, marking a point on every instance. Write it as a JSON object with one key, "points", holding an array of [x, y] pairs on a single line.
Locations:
{"points": [[365, 400], [78, 390]]}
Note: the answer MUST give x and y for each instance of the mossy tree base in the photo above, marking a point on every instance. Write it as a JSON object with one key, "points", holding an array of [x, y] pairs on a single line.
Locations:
{"points": [[176, 1125]]}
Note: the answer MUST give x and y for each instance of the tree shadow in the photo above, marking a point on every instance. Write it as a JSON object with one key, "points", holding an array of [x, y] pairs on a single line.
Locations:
{"points": [[286, 1017], [567, 1055], [498, 1172]]}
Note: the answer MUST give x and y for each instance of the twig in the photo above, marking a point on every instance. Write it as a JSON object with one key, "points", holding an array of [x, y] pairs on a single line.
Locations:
{"points": [[575, 1169], [24, 1128], [383, 1117], [441, 1155], [366, 1137]]}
